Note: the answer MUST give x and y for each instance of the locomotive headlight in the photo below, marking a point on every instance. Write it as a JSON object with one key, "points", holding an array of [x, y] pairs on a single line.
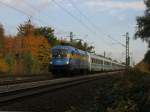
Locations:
{"points": [[67, 62]]}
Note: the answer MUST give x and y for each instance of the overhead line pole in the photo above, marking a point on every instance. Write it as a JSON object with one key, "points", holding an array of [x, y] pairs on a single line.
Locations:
{"points": [[92, 24], [71, 36], [127, 50]]}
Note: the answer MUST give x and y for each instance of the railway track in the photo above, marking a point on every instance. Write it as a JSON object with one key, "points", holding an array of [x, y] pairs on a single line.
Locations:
{"points": [[15, 91], [8, 80]]}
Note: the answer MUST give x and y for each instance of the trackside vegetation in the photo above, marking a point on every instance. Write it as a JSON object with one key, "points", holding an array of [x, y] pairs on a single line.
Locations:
{"points": [[28, 51], [127, 92], [143, 26]]}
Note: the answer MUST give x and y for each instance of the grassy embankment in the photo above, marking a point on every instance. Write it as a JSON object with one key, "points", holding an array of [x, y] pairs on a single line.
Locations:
{"points": [[127, 92], [144, 67]]}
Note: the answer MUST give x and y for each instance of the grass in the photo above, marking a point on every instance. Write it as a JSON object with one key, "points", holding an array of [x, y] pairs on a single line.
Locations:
{"points": [[127, 92], [144, 67]]}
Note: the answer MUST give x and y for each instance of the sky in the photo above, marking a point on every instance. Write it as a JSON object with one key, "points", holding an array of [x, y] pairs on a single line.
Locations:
{"points": [[98, 22]]}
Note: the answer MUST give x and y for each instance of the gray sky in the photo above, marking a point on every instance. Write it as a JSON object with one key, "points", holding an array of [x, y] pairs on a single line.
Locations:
{"points": [[91, 20]]}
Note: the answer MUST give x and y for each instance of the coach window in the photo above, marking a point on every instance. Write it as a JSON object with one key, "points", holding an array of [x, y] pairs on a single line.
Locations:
{"points": [[99, 61], [72, 52], [92, 60]]}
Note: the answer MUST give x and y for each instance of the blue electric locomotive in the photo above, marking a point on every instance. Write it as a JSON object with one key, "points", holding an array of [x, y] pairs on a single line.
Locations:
{"points": [[68, 58]]}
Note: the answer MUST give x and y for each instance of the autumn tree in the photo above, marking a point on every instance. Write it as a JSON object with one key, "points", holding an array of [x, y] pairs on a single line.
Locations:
{"points": [[3, 66], [36, 50], [1, 36], [36, 46], [10, 44], [29, 29]]}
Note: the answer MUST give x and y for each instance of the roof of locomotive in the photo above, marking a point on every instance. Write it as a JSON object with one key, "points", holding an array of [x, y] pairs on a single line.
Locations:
{"points": [[70, 49], [63, 47]]}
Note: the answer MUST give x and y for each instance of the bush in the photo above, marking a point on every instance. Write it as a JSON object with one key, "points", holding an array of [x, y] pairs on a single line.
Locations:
{"points": [[147, 57], [10, 60], [28, 63], [129, 93]]}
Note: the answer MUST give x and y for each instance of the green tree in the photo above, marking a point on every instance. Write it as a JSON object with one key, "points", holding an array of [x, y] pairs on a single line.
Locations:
{"points": [[143, 28], [48, 33], [25, 29], [143, 24], [79, 45], [147, 57], [83, 46]]}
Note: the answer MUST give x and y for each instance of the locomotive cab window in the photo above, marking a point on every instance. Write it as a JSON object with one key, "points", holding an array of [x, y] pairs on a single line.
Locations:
{"points": [[59, 53], [72, 52]]}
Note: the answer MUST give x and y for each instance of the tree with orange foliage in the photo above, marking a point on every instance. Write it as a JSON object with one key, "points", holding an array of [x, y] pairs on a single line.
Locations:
{"points": [[29, 51], [36, 44], [12, 49], [28, 29], [38, 48], [2, 36], [3, 66], [9, 45]]}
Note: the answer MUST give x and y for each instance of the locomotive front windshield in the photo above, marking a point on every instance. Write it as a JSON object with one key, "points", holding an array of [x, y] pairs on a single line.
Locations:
{"points": [[59, 53]]}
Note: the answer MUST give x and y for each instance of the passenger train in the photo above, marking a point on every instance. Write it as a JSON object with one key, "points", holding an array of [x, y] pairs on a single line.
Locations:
{"points": [[68, 59]]}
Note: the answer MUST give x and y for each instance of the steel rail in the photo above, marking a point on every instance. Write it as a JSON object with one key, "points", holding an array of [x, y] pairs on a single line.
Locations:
{"points": [[12, 92]]}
